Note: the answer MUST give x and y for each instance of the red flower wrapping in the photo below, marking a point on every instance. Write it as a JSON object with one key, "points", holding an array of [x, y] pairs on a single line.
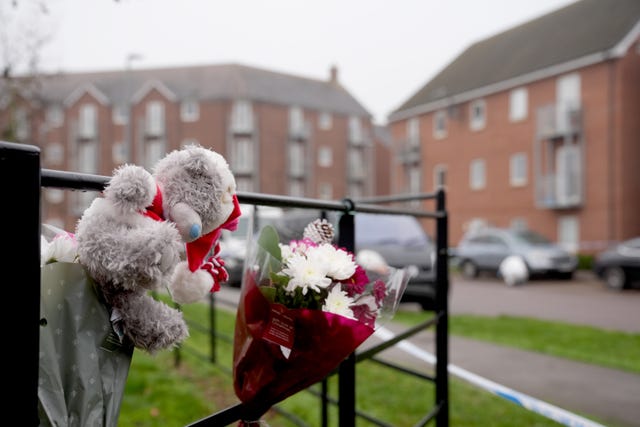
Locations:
{"points": [[319, 340]]}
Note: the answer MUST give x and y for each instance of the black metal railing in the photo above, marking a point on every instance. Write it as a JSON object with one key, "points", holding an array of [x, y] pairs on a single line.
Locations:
{"points": [[21, 181]]}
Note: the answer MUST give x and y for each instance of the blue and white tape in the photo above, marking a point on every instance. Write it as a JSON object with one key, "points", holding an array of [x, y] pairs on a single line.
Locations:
{"points": [[545, 409]]}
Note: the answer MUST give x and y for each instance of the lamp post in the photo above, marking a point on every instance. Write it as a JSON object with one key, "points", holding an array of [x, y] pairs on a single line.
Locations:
{"points": [[128, 137]]}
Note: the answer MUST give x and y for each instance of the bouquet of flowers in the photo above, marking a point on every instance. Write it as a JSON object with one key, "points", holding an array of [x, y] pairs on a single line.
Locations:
{"points": [[83, 366], [304, 307]]}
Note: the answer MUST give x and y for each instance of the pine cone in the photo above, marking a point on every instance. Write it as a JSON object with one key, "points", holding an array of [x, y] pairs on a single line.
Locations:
{"points": [[320, 231]]}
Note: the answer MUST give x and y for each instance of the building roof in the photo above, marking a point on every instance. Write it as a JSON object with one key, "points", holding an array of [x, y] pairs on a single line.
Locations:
{"points": [[210, 82], [582, 33]]}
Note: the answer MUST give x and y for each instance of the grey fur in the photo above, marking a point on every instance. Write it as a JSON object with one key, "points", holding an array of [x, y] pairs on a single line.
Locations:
{"points": [[128, 254]]}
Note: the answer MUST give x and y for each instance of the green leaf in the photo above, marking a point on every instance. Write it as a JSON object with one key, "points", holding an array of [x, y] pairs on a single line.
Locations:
{"points": [[269, 240]]}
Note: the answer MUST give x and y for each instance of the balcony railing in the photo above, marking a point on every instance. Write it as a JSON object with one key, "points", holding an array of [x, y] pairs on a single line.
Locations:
{"points": [[554, 121]]}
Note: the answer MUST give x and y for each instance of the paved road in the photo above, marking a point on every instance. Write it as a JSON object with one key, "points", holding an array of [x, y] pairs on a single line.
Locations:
{"points": [[611, 395], [580, 388]]}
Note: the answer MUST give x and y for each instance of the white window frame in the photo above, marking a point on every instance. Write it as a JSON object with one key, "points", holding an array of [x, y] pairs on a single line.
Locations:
{"points": [[242, 155], [296, 159], [242, 116], [88, 121], [518, 104], [413, 132], [325, 156], [244, 183], [568, 175], [477, 114], [518, 170], [356, 136], [325, 191], [54, 153], [325, 120], [569, 233], [440, 124], [155, 115], [154, 150], [189, 110], [296, 188], [477, 174], [296, 121], [439, 175], [55, 116], [119, 153], [568, 98], [23, 129], [120, 114], [356, 163]]}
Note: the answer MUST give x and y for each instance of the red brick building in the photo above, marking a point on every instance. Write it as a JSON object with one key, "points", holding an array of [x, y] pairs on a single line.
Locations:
{"points": [[538, 126], [282, 134]]}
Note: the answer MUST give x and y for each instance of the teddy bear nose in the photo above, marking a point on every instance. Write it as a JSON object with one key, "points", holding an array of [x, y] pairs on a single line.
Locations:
{"points": [[195, 230]]}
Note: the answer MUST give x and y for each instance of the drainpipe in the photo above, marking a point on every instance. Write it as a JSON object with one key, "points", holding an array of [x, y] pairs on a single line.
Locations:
{"points": [[611, 223]]}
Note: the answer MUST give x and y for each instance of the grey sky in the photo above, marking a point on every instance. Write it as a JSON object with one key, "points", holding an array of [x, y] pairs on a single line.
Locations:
{"points": [[384, 50]]}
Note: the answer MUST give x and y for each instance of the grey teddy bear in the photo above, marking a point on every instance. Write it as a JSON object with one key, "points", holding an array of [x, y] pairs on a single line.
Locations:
{"points": [[150, 230]]}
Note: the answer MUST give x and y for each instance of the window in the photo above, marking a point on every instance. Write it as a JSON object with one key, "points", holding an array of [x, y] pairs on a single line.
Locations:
{"points": [[568, 175], [154, 151], [519, 223], [155, 119], [325, 191], [414, 179], [87, 162], [325, 157], [242, 155], [356, 190], [325, 121], [356, 164], [244, 183], [120, 114], [518, 104], [55, 116], [439, 177], [296, 188], [22, 124], [88, 121], [119, 152], [518, 170], [296, 159], [54, 153], [413, 132], [296, 121], [478, 114], [189, 111], [569, 233], [567, 100], [355, 131], [477, 174], [440, 124], [242, 117]]}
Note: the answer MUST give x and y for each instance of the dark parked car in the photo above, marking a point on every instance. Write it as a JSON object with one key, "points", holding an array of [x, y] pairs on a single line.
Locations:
{"points": [[619, 266], [483, 250], [399, 240]]}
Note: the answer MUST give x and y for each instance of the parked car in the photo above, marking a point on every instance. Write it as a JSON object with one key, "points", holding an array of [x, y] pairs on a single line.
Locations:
{"points": [[483, 250], [619, 265], [399, 240]]}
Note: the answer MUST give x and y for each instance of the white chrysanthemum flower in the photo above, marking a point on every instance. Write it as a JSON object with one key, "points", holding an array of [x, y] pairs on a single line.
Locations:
{"points": [[305, 274], [338, 302], [340, 264], [285, 251], [63, 248]]}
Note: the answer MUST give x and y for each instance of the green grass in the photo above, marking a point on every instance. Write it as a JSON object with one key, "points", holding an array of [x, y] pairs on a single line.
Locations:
{"points": [[158, 393], [617, 350]]}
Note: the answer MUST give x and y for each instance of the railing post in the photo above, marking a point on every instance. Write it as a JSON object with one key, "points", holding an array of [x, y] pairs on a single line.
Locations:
{"points": [[347, 369], [212, 325], [442, 327], [20, 218]]}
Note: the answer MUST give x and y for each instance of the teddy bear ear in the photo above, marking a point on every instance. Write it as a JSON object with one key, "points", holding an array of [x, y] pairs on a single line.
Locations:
{"points": [[131, 188]]}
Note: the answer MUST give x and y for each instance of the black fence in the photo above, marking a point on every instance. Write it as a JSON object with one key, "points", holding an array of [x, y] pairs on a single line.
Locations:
{"points": [[21, 180]]}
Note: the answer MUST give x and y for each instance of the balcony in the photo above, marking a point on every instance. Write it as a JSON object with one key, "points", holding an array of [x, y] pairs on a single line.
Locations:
{"points": [[556, 121], [559, 185], [408, 154]]}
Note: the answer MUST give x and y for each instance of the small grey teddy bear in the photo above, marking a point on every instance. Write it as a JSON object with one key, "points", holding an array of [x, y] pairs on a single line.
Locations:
{"points": [[134, 238]]}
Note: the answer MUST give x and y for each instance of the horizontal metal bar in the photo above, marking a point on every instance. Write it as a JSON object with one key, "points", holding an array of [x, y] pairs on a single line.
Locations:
{"points": [[397, 198], [396, 339], [403, 369]]}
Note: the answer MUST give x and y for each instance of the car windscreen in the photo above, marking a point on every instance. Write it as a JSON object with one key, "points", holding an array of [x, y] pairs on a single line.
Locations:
{"points": [[531, 238]]}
